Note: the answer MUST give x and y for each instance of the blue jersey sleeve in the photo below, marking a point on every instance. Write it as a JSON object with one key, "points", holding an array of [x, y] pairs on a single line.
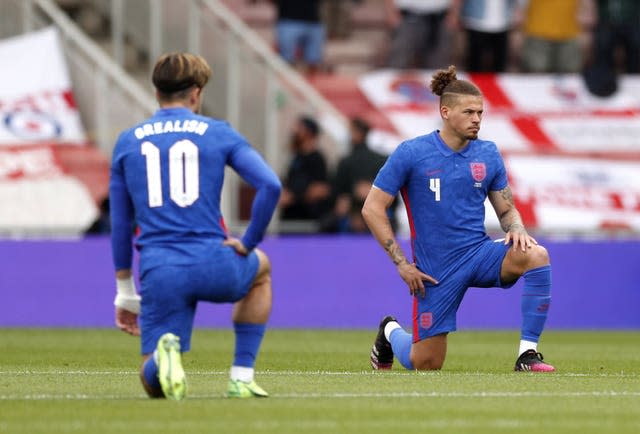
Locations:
{"points": [[253, 169], [500, 180], [395, 172], [121, 212]]}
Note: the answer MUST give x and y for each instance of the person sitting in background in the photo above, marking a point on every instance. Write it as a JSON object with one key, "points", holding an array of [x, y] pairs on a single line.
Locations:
{"points": [[102, 224], [552, 35], [306, 188], [300, 30], [352, 182], [420, 38], [336, 16], [486, 26], [618, 26]]}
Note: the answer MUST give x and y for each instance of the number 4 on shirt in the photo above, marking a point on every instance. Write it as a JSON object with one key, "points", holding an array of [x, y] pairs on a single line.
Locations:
{"points": [[434, 185]]}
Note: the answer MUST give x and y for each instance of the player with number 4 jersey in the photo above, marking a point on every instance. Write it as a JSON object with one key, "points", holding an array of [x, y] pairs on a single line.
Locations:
{"points": [[166, 178], [445, 178]]}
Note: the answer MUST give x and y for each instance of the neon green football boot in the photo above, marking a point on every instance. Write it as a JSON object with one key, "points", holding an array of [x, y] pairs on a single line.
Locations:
{"points": [[170, 371], [240, 389]]}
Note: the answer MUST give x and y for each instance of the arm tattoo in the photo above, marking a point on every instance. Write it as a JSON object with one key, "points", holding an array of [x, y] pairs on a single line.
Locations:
{"points": [[510, 219], [507, 195], [393, 250]]}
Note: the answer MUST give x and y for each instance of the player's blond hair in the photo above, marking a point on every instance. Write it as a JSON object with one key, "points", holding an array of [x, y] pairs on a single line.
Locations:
{"points": [[174, 74], [445, 84]]}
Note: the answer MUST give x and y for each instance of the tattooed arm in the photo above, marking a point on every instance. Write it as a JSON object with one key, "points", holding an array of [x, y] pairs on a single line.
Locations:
{"points": [[374, 213], [510, 219]]}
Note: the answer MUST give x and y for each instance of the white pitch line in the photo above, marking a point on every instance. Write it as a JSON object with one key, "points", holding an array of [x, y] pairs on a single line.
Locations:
{"points": [[85, 397], [333, 373], [458, 394]]}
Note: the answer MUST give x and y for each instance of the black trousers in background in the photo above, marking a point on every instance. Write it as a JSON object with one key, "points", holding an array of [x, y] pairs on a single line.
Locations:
{"points": [[487, 52]]}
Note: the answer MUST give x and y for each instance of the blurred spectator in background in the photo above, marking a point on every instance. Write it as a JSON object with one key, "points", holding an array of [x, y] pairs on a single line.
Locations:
{"points": [[300, 31], [617, 32], [102, 224], [486, 24], [306, 191], [552, 31], [352, 182], [336, 15], [420, 37]]}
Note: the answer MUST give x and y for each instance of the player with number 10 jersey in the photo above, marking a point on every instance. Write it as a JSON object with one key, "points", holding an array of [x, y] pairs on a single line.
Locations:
{"points": [[172, 166], [166, 177]]}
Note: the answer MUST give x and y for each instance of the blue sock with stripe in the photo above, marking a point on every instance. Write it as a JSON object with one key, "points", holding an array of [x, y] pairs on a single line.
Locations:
{"points": [[536, 299], [150, 373], [401, 342], [248, 340]]}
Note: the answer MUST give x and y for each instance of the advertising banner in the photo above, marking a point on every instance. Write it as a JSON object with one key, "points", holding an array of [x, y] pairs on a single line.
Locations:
{"points": [[40, 197], [36, 97], [573, 158], [522, 112]]}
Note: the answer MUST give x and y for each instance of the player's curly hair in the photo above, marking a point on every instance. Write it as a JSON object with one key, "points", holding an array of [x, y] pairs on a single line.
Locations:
{"points": [[175, 73], [445, 84]]}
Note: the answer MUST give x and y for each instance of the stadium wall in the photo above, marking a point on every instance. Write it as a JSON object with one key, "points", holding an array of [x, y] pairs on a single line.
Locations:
{"points": [[325, 282]]}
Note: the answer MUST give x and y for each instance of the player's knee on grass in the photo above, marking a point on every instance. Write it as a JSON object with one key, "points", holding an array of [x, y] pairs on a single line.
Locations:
{"points": [[429, 354], [428, 363], [152, 392]]}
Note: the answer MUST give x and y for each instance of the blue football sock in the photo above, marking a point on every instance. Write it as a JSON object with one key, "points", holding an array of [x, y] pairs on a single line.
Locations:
{"points": [[401, 342], [150, 373], [248, 340], [536, 299]]}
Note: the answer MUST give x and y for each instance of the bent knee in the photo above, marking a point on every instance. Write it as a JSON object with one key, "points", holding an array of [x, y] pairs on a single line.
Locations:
{"points": [[264, 264], [538, 256], [518, 261]]}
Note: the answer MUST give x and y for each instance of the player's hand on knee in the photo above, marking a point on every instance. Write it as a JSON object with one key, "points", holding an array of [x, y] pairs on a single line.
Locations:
{"points": [[520, 238], [237, 245], [414, 278], [127, 321]]}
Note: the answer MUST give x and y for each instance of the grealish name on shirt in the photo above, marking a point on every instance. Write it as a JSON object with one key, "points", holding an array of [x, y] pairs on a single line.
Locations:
{"points": [[172, 126]]}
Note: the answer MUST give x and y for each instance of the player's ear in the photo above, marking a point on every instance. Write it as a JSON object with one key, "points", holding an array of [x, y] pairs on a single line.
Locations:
{"points": [[444, 112], [195, 98], [194, 95]]}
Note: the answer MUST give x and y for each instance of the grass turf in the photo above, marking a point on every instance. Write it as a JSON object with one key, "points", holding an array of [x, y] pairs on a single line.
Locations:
{"points": [[86, 381]]}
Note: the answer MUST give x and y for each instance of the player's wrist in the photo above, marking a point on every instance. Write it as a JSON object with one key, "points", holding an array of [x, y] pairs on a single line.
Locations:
{"points": [[401, 262], [126, 296], [247, 243], [515, 226]]}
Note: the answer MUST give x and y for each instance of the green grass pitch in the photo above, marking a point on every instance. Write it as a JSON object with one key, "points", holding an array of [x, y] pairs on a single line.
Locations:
{"points": [[86, 381]]}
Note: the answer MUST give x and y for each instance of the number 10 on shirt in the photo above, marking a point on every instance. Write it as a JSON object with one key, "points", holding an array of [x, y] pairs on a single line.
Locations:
{"points": [[184, 184]]}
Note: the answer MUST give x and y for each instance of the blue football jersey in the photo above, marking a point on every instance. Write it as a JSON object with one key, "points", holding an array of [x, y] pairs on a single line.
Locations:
{"points": [[167, 175], [444, 193]]}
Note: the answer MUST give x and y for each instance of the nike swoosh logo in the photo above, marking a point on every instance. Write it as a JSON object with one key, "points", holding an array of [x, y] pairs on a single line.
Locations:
{"points": [[433, 172]]}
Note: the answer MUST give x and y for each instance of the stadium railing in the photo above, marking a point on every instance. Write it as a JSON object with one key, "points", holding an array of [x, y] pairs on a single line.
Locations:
{"points": [[253, 88]]}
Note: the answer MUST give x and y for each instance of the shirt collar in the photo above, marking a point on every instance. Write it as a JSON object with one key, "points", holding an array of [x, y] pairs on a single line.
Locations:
{"points": [[446, 150], [168, 111]]}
